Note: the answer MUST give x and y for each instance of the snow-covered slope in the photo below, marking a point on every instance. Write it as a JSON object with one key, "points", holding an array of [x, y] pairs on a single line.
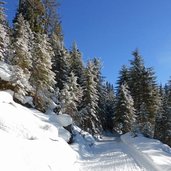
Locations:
{"points": [[30, 139]]}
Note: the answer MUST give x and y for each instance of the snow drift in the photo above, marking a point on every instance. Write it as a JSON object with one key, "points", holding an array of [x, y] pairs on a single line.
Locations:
{"points": [[154, 154], [30, 139]]}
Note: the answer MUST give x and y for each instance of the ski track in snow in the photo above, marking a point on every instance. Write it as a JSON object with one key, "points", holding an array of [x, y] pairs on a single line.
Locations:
{"points": [[108, 155]]}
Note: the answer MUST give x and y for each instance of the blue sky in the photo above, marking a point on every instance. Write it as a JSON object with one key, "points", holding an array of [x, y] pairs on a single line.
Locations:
{"points": [[112, 29]]}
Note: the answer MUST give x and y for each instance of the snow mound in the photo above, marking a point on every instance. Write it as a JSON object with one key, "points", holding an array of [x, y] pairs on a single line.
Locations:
{"points": [[157, 154], [30, 139], [21, 122], [64, 119], [6, 96], [5, 71]]}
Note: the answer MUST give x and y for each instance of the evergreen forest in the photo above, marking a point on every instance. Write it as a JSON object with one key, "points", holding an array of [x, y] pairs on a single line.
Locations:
{"points": [[45, 75]]}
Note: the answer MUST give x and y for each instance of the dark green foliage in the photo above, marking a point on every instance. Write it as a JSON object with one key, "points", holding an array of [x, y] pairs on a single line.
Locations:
{"points": [[42, 76], [4, 35], [107, 106], [163, 120], [90, 119], [144, 91], [33, 11], [76, 64]]}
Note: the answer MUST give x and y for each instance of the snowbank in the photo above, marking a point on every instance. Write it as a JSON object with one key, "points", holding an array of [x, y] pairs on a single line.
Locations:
{"points": [[30, 139], [5, 71], [83, 142], [149, 151], [64, 119]]}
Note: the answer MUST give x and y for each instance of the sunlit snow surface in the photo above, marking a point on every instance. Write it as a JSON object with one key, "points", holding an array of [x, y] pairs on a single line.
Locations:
{"points": [[112, 153], [29, 141]]}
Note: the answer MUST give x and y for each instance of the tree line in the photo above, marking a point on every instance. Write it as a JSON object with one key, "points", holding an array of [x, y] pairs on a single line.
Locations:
{"points": [[54, 77]]}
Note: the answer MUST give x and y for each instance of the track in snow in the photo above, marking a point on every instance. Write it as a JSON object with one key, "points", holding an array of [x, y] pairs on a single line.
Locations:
{"points": [[108, 155]]}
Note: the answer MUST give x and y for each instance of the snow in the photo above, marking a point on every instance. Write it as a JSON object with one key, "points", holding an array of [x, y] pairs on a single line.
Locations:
{"points": [[5, 71], [33, 141], [155, 153], [125, 153], [30, 140], [64, 119], [107, 154]]}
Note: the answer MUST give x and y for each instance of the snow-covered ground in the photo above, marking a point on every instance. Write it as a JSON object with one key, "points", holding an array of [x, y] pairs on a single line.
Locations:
{"points": [[150, 152], [30, 139], [33, 141], [113, 153]]}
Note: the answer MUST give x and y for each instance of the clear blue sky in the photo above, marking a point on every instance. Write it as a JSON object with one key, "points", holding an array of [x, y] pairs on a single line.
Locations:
{"points": [[112, 29]]}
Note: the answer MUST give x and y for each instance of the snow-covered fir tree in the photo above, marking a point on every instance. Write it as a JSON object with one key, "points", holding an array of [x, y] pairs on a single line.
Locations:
{"points": [[76, 64], [42, 78], [166, 116], [21, 43], [4, 35], [144, 91], [124, 76], [60, 60], [70, 98], [89, 117], [161, 118], [124, 118]]}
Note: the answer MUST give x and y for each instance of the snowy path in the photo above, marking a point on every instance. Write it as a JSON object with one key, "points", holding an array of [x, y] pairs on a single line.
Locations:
{"points": [[110, 154]]}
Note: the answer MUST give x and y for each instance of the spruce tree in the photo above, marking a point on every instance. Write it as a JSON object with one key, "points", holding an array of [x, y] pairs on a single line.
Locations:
{"points": [[42, 78], [124, 118], [21, 43], [161, 118], [61, 67], [109, 104], [60, 59], [33, 11], [76, 64], [124, 76], [51, 17], [70, 98], [90, 119], [167, 116], [4, 35], [144, 91]]}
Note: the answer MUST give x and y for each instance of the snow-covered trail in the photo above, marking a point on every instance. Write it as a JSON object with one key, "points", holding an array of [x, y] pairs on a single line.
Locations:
{"points": [[109, 154]]}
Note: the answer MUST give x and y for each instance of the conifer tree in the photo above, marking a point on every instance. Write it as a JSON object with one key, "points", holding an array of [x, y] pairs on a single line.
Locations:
{"points": [[90, 119], [33, 11], [167, 115], [42, 78], [4, 35], [124, 117], [76, 64], [61, 67], [21, 42], [124, 76], [161, 118], [51, 17], [109, 104], [21, 58], [70, 98], [135, 83], [60, 59], [144, 91]]}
